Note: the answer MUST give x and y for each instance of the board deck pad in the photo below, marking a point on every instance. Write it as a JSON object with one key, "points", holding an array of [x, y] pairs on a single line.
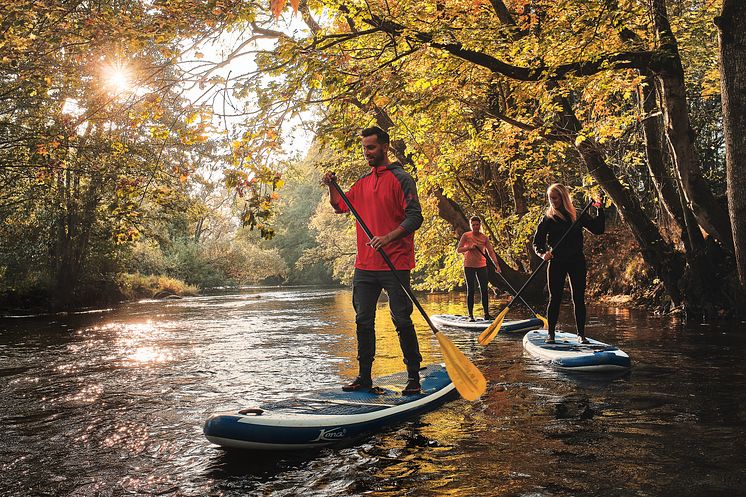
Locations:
{"points": [[335, 400], [479, 324], [329, 415], [569, 354]]}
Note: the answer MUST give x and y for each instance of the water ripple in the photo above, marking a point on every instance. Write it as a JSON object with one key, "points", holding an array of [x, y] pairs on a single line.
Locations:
{"points": [[112, 403]]}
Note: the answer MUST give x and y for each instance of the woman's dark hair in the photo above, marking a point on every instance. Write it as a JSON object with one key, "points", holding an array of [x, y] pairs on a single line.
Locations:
{"points": [[382, 136], [475, 218]]}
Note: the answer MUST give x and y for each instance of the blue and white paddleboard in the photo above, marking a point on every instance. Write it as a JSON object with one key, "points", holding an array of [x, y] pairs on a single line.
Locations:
{"points": [[330, 416], [456, 321], [570, 355]]}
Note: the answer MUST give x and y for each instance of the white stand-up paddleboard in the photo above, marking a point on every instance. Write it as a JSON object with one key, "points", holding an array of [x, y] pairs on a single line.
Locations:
{"points": [[330, 416], [570, 355], [456, 321]]}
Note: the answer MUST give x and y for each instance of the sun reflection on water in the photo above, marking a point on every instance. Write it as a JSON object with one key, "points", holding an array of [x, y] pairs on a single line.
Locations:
{"points": [[136, 343], [87, 395], [151, 355]]}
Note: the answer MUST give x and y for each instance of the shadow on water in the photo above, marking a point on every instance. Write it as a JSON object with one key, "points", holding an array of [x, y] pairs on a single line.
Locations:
{"points": [[241, 463]]}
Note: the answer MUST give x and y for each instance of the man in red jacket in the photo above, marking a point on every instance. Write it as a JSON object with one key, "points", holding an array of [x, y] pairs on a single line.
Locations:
{"points": [[386, 199]]}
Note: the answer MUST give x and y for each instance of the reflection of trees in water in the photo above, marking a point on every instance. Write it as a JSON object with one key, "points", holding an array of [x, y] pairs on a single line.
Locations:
{"points": [[389, 357]]}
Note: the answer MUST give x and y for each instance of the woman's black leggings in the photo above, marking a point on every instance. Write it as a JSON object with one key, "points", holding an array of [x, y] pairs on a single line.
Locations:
{"points": [[557, 271], [472, 275]]}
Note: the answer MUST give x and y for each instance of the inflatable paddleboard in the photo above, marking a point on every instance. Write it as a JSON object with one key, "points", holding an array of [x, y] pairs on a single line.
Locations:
{"points": [[329, 416], [456, 321], [570, 355]]}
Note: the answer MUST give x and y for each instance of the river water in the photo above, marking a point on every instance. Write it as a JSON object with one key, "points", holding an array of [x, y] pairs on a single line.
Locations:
{"points": [[113, 402]]}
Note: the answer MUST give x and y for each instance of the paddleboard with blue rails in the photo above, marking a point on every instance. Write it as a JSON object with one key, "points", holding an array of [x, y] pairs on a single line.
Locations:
{"points": [[456, 321], [570, 355], [330, 416]]}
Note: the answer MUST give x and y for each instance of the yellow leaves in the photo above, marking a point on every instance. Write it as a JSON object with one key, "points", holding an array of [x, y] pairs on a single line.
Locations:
{"points": [[316, 81], [127, 235], [159, 132], [118, 149], [711, 83]]}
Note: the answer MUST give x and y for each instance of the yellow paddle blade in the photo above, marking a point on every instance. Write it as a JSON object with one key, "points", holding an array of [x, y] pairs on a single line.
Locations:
{"points": [[492, 330], [467, 379], [543, 320]]}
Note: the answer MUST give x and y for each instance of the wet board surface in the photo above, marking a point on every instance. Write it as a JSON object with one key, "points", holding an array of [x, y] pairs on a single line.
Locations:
{"points": [[569, 354], [328, 416], [456, 321]]}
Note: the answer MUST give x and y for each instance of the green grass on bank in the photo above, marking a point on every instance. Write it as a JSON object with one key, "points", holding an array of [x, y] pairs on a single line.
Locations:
{"points": [[138, 286]]}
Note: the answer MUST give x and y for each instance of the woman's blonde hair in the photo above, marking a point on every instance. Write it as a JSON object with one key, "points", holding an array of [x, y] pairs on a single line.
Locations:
{"points": [[566, 202]]}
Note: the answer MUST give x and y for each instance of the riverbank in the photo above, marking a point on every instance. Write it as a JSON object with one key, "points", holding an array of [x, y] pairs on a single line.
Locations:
{"points": [[617, 275], [41, 298], [138, 286]]}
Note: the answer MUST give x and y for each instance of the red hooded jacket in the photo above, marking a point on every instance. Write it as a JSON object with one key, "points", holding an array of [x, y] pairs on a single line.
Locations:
{"points": [[385, 198]]}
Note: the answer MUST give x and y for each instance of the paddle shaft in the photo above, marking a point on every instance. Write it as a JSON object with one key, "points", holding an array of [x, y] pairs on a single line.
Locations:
{"points": [[489, 259], [390, 264], [544, 261]]}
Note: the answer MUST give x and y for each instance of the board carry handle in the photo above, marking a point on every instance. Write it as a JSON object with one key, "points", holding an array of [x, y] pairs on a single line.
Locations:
{"points": [[252, 410]]}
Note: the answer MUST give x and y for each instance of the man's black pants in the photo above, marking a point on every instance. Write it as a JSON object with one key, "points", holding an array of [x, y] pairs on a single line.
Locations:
{"points": [[366, 288]]}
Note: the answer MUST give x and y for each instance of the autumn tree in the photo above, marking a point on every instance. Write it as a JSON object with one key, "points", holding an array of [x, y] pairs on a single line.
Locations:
{"points": [[103, 124], [473, 88]]}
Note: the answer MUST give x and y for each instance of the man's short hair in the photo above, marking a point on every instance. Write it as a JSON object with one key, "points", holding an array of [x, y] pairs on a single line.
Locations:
{"points": [[381, 135], [475, 218]]}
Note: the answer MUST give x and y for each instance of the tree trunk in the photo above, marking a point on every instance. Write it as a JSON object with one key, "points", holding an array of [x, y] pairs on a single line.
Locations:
{"points": [[697, 279], [654, 150], [732, 38], [66, 268], [521, 209], [656, 252], [670, 83]]}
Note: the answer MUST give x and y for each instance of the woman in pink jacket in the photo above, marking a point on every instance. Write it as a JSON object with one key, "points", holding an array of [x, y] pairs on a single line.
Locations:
{"points": [[473, 244]]}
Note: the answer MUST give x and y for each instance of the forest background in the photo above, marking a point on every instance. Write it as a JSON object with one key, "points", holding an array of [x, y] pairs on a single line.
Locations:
{"points": [[178, 145]]}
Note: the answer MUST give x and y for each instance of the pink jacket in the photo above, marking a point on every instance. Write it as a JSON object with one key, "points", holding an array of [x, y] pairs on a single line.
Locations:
{"points": [[472, 246]]}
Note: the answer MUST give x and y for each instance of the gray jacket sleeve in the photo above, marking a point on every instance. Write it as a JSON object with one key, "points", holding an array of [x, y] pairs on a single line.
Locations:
{"points": [[412, 209]]}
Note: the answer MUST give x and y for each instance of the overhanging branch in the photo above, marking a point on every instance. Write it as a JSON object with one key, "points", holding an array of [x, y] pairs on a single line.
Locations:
{"points": [[633, 60]]}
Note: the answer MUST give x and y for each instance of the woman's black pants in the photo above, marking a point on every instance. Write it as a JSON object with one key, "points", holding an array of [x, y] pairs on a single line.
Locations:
{"points": [[557, 271], [472, 275]]}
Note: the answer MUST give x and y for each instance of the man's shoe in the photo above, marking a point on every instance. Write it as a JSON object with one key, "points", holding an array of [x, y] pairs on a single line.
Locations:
{"points": [[487, 317], [471, 319], [412, 387], [358, 384]]}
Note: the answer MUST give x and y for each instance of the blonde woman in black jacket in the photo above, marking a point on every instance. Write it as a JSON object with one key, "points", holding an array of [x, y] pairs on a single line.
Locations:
{"points": [[568, 259]]}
